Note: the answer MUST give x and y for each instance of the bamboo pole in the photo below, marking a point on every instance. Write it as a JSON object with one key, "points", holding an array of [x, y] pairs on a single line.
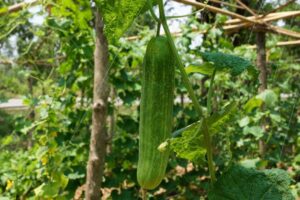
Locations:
{"points": [[280, 44], [217, 10], [268, 18], [246, 8], [283, 31], [17, 7]]}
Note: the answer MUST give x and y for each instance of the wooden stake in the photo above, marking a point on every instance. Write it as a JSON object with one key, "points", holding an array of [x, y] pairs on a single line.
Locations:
{"points": [[261, 63]]}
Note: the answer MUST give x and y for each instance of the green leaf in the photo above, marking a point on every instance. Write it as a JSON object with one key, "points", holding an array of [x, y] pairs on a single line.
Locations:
{"points": [[243, 183], [118, 15], [252, 104], [222, 61], [206, 69], [256, 131], [47, 190], [190, 145], [269, 97], [249, 163], [244, 121], [3, 10], [219, 119]]}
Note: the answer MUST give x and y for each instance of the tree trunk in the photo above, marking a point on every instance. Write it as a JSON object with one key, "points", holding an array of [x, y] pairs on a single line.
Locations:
{"points": [[31, 115], [261, 64], [98, 140]]}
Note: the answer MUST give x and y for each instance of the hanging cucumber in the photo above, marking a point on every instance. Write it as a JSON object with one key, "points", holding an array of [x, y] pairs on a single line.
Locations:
{"points": [[156, 111]]}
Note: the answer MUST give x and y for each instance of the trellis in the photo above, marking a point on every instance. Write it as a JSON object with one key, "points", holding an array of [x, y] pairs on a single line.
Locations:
{"points": [[260, 24]]}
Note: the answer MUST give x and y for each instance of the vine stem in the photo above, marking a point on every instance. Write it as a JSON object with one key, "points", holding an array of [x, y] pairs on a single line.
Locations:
{"points": [[178, 59], [152, 12], [209, 152], [189, 89], [210, 93]]}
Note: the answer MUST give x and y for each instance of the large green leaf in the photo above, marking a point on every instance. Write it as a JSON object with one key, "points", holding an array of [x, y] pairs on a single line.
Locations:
{"points": [[119, 14], [222, 61], [190, 145], [242, 183]]}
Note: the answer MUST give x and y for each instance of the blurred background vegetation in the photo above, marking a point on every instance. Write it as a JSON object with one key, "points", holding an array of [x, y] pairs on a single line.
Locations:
{"points": [[49, 65]]}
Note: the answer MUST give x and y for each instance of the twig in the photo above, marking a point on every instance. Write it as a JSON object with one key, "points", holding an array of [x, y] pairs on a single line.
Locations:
{"points": [[246, 8]]}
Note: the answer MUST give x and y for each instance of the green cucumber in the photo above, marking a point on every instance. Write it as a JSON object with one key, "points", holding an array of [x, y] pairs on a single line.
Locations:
{"points": [[156, 111]]}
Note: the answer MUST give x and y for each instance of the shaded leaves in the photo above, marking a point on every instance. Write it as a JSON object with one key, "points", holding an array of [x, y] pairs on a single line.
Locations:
{"points": [[243, 183]]}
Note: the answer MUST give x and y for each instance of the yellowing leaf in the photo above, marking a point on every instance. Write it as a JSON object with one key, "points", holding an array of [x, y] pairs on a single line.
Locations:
{"points": [[9, 184], [44, 160]]}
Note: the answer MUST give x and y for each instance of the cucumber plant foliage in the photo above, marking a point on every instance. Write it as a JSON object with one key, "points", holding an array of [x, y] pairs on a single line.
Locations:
{"points": [[190, 145], [118, 15], [221, 62], [246, 183]]}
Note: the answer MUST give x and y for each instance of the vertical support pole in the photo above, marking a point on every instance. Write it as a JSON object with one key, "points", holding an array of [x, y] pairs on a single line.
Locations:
{"points": [[98, 139], [262, 67], [31, 115]]}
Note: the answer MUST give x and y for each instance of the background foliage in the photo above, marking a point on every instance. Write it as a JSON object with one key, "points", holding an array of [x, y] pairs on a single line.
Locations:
{"points": [[44, 154]]}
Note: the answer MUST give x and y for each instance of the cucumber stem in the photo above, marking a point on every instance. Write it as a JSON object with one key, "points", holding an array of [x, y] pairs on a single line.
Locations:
{"points": [[158, 29], [189, 89], [209, 152], [178, 59], [152, 12]]}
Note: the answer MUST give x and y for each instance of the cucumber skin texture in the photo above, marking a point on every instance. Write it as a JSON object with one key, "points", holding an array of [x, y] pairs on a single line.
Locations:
{"points": [[156, 111]]}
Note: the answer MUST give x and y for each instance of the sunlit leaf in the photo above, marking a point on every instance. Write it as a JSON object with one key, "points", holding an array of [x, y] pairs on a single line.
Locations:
{"points": [[256, 131], [252, 104], [206, 69], [222, 61], [118, 15], [269, 97]]}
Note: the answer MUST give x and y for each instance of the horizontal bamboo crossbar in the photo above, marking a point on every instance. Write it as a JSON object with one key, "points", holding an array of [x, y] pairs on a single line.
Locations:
{"points": [[246, 8], [280, 44], [284, 31], [217, 10], [17, 7], [268, 18]]}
